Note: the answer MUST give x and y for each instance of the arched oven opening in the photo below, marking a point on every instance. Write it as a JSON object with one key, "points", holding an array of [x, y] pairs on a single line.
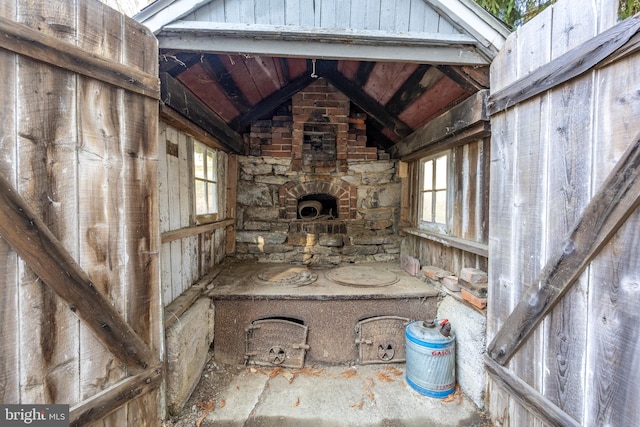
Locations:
{"points": [[317, 206]]}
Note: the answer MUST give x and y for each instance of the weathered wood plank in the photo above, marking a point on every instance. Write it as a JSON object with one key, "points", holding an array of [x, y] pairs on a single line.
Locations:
{"points": [[607, 211], [568, 66], [105, 402], [181, 233], [614, 295], [46, 179], [528, 396], [44, 254], [449, 125], [36, 45], [9, 310], [101, 252], [450, 241]]}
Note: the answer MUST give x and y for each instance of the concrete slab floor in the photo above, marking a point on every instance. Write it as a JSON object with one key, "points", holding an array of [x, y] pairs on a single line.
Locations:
{"points": [[363, 395]]}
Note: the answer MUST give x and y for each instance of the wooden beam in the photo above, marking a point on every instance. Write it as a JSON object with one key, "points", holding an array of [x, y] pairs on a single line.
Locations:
{"points": [[528, 397], [570, 65], [376, 137], [175, 95], [468, 119], [103, 403], [305, 42], [418, 82], [176, 63], [373, 108], [30, 238], [180, 122], [271, 102], [170, 236], [618, 198], [362, 73], [464, 80], [25, 41]]}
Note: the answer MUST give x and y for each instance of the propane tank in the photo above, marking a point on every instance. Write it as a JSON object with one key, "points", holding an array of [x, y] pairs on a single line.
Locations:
{"points": [[430, 357]]}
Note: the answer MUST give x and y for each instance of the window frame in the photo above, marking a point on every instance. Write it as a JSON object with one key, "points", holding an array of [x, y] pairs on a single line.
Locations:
{"points": [[208, 180], [433, 226]]}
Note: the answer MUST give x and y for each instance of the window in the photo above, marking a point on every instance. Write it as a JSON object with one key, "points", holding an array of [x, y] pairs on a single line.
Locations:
{"points": [[433, 192], [205, 166]]}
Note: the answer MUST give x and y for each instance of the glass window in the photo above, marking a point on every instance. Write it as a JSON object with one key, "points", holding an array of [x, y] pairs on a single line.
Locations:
{"points": [[205, 174], [434, 186]]}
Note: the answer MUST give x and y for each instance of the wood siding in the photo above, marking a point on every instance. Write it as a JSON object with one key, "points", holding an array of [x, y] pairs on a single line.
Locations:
{"points": [[469, 211], [393, 16], [550, 154], [80, 150], [188, 251]]}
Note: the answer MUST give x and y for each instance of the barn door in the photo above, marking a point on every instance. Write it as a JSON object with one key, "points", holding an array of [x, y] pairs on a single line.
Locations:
{"points": [[564, 220], [80, 313]]}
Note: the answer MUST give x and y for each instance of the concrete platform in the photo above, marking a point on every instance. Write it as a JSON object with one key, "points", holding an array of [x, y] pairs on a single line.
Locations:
{"points": [[335, 396]]}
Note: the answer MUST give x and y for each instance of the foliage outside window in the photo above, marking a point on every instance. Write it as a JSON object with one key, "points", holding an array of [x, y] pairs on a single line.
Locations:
{"points": [[434, 194], [205, 166]]}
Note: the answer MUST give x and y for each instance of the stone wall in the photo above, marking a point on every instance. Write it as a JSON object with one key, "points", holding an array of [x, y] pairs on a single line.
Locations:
{"points": [[264, 233]]}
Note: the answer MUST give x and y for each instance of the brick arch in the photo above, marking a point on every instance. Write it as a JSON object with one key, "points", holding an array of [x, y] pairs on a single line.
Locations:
{"points": [[345, 195]]}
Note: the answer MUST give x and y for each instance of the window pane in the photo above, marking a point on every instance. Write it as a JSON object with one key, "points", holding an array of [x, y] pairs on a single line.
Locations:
{"points": [[427, 171], [213, 197], [426, 206], [441, 172], [211, 165], [441, 207], [198, 160], [201, 198]]}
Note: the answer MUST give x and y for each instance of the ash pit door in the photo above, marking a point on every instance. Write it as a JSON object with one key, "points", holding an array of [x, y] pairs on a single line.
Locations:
{"points": [[276, 342], [381, 339]]}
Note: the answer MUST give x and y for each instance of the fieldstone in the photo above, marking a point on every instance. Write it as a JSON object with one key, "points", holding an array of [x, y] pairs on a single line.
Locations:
{"points": [[257, 226], [377, 179], [260, 238], [254, 194], [301, 239], [271, 179], [332, 240], [367, 240], [360, 250], [261, 213], [372, 167], [385, 213], [187, 343], [257, 169]]}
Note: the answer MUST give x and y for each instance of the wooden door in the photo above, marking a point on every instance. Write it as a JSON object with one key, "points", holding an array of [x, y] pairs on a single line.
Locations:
{"points": [[563, 243], [80, 313]]}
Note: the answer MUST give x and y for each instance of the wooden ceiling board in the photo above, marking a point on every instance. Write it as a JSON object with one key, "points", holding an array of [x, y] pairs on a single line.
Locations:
{"points": [[239, 71], [265, 76], [297, 67], [441, 96], [386, 78], [348, 68], [205, 87]]}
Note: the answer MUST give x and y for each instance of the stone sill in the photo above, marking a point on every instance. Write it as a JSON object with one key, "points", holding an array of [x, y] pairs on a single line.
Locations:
{"points": [[449, 241]]}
